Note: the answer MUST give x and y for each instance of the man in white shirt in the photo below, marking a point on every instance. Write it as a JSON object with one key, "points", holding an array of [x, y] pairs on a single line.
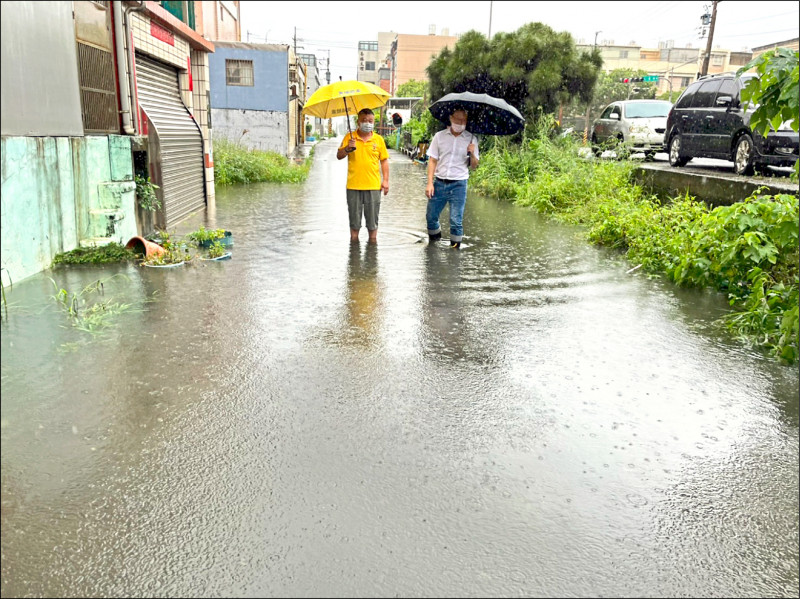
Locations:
{"points": [[450, 156]]}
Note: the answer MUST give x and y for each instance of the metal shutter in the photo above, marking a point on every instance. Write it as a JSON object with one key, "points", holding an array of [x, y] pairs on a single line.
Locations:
{"points": [[180, 141]]}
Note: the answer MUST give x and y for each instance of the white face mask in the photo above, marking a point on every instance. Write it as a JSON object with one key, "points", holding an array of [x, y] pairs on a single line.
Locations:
{"points": [[457, 128], [366, 127]]}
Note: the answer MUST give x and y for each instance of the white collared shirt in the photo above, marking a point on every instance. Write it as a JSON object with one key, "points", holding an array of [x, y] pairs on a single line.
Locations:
{"points": [[451, 153]]}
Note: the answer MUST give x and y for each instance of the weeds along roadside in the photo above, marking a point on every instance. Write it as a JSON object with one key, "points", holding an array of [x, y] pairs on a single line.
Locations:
{"points": [[235, 164], [748, 250]]}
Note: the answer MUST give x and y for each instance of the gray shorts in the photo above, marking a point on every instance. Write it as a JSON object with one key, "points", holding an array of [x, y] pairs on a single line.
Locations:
{"points": [[363, 202]]}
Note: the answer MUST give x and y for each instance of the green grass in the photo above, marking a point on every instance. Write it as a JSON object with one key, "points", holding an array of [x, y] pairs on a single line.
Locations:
{"points": [[234, 164], [748, 250], [104, 254]]}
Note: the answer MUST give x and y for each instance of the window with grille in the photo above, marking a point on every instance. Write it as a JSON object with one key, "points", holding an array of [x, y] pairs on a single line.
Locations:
{"points": [[370, 66], [239, 72]]}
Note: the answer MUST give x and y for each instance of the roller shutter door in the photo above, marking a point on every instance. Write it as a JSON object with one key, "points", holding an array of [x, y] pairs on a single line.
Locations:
{"points": [[179, 138]]}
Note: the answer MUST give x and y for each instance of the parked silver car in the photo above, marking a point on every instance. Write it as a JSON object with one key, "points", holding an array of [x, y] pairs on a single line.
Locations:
{"points": [[633, 125]]}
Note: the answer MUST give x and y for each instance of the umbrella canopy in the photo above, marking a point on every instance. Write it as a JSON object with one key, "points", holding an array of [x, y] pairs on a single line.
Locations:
{"points": [[343, 98], [485, 114]]}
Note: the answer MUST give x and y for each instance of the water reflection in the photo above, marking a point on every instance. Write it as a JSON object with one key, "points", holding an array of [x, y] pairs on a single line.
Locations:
{"points": [[301, 419], [364, 295]]}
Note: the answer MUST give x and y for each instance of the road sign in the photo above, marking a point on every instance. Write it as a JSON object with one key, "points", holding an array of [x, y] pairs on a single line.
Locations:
{"points": [[650, 78]]}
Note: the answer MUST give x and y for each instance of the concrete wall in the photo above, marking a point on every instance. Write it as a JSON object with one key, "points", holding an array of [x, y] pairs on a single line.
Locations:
{"points": [[257, 129], [54, 192], [39, 70], [270, 78]]}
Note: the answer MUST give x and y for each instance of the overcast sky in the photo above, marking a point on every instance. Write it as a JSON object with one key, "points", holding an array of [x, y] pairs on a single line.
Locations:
{"points": [[339, 26]]}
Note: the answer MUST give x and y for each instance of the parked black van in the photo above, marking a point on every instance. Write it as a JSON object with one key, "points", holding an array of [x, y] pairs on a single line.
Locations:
{"points": [[708, 121]]}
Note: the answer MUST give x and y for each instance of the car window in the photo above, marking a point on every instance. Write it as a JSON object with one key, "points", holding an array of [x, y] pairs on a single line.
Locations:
{"points": [[686, 99], [704, 97], [728, 88], [617, 111], [647, 110], [606, 112]]}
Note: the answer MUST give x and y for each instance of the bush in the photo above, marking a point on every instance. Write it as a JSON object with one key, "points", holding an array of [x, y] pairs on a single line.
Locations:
{"points": [[103, 254], [236, 164], [748, 250]]}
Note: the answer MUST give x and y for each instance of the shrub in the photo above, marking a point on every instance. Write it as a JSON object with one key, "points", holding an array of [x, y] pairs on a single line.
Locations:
{"points": [[236, 164]]}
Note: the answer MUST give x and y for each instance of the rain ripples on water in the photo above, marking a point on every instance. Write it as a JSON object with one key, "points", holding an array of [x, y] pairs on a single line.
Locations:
{"points": [[318, 418]]}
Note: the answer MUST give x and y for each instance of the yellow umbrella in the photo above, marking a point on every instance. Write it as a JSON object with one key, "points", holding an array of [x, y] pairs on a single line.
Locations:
{"points": [[342, 97]]}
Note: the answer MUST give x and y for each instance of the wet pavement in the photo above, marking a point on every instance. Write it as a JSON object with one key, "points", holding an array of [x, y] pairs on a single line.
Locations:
{"points": [[317, 418]]}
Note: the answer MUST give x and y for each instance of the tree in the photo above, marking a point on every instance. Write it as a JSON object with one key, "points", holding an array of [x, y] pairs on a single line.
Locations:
{"points": [[412, 89], [610, 87], [774, 91], [533, 69], [415, 89]]}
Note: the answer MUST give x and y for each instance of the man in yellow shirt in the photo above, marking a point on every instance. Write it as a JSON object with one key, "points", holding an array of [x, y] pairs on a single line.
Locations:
{"points": [[367, 159]]}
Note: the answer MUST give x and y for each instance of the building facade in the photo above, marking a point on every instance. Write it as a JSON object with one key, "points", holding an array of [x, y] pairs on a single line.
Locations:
{"points": [[257, 95], [94, 93], [675, 67]]}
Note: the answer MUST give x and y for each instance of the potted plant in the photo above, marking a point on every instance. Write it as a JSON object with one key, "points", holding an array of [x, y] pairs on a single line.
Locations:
{"points": [[217, 252], [173, 255], [204, 238]]}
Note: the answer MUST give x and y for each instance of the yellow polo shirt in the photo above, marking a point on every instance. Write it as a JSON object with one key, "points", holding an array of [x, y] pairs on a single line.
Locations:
{"points": [[364, 165]]}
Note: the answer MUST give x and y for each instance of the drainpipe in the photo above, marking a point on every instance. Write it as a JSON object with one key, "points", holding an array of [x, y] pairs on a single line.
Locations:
{"points": [[124, 82], [131, 80]]}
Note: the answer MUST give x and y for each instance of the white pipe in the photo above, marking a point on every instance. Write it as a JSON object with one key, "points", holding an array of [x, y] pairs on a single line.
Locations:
{"points": [[124, 82], [132, 82]]}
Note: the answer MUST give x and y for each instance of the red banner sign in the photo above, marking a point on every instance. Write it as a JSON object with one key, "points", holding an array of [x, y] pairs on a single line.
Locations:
{"points": [[158, 32]]}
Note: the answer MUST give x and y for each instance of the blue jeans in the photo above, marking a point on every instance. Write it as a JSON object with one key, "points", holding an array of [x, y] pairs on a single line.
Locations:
{"points": [[456, 194]]}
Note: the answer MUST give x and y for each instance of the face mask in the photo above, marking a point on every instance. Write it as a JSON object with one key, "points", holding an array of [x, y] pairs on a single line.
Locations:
{"points": [[457, 128], [366, 127]]}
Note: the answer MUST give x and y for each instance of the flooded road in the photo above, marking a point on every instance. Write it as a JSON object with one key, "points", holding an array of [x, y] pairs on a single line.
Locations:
{"points": [[315, 418]]}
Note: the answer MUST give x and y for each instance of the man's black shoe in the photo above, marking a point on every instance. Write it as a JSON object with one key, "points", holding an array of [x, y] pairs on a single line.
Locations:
{"points": [[435, 236], [455, 245]]}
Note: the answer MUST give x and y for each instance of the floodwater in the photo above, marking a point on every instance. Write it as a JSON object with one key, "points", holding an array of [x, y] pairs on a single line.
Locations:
{"points": [[314, 418]]}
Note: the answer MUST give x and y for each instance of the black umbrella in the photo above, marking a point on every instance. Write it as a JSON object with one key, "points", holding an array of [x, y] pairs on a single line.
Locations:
{"points": [[485, 114]]}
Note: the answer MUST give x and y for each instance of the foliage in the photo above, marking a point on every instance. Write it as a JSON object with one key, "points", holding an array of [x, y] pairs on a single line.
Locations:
{"points": [[85, 310], [671, 96], [202, 234], [532, 68], [146, 194], [235, 164], [774, 91], [175, 252], [748, 250], [216, 250], [103, 254], [412, 89], [422, 128]]}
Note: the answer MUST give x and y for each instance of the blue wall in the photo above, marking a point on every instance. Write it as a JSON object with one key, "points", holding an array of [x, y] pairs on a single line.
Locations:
{"points": [[270, 77]]}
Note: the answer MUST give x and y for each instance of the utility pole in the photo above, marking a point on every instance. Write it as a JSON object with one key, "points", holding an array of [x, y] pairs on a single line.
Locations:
{"points": [[707, 57], [589, 105], [490, 19]]}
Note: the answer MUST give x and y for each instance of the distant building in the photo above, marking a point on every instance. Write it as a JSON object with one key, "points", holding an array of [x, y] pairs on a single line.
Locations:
{"points": [[793, 44], [257, 95], [396, 58], [675, 67], [313, 83]]}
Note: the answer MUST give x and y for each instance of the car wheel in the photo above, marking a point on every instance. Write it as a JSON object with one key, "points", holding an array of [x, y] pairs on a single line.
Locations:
{"points": [[743, 155], [675, 156]]}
